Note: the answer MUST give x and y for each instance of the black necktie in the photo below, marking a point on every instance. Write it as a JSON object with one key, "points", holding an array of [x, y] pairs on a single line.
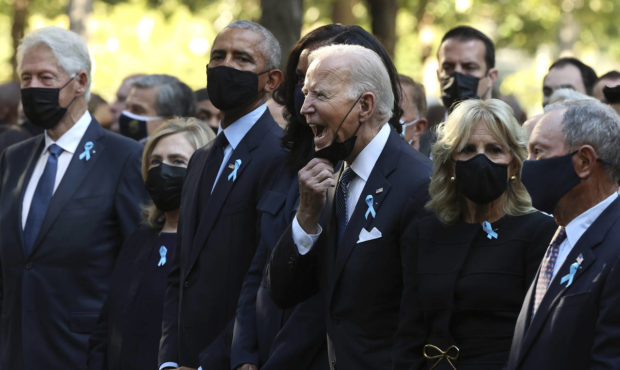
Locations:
{"points": [[41, 198], [214, 162], [342, 194]]}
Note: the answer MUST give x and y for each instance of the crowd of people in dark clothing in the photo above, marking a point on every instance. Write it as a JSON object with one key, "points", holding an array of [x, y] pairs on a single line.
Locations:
{"points": [[318, 215]]}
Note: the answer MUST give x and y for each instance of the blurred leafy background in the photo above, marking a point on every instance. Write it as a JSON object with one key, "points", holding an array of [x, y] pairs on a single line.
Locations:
{"points": [[174, 36]]}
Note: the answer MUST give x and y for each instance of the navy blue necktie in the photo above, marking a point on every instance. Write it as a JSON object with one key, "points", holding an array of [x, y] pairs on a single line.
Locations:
{"points": [[41, 198], [342, 193]]}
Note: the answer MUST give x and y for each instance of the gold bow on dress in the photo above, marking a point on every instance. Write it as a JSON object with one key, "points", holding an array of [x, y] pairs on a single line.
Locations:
{"points": [[450, 354]]}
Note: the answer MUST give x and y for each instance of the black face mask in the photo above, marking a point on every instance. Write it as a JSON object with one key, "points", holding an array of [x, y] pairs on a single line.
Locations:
{"points": [[164, 183], [480, 179], [548, 180], [41, 105], [612, 94], [339, 151], [298, 99], [133, 125], [458, 87], [230, 88]]}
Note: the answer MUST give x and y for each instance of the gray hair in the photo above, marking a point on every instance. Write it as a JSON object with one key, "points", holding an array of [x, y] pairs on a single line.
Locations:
{"points": [[367, 73], [174, 98], [596, 124], [565, 95], [269, 47], [67, 46]]}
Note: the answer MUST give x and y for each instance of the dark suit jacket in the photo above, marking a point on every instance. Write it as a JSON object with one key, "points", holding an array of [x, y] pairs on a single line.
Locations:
{"points": [[214, 255], [264, 334], [466, 290], [51, 298], [577, 327], [361, 282]]}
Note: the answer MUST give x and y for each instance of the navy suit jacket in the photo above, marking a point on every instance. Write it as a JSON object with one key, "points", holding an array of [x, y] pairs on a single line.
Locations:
{"points": [[361, 282], [264, 334], [51, 297], [213, 255], [576, 327]]}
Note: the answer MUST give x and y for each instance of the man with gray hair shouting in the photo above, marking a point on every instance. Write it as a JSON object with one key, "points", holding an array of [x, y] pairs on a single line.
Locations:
{"points": [[345, 238]]}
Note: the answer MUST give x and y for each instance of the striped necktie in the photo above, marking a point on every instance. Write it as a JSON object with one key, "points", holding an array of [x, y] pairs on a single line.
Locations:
{"points": [[546, 269]]}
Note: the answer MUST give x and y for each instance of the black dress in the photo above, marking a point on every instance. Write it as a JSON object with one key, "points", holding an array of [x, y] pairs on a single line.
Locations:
{"points": [[465, 288], [129, 328]]}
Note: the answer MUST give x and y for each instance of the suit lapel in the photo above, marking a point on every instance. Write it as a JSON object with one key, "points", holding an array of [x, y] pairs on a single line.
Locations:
{"points": [[224, 186], [584, 247], [73, 178], [378, 186], [22, 184]]}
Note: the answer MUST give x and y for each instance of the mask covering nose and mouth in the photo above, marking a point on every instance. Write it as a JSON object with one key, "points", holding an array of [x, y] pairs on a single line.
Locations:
{"points": [[230, 88], [133, 125], [458, 87], [336, 151], [41, 105], [612, 94]]}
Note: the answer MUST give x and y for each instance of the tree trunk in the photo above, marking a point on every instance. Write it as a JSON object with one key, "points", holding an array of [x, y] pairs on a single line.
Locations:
{"points": [[383, 14], [284, 19], [342, 11], [20, 18], [79, 12]]}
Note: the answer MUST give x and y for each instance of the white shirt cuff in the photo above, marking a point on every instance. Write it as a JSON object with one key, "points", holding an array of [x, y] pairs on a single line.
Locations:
{"points": [[302, 239], [168, 364]]}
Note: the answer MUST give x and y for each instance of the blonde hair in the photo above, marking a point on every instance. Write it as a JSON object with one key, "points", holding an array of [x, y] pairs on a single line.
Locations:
{"points": [[198, 134], [452, 136]]}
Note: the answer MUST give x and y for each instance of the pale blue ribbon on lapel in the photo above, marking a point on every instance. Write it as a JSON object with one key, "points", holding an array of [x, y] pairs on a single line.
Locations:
{"points": [[86, 153], [370, 210], [233, 174], [569, 277], [486, 227], [162, 255]]}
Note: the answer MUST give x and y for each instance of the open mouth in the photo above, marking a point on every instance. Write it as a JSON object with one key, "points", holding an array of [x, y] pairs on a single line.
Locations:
{"points": [[318, 131]]}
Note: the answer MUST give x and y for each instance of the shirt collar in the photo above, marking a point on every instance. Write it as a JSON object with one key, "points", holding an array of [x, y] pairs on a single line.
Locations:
{"points": [[578, 226], [365, 161], [71, 139], [236, 131]]}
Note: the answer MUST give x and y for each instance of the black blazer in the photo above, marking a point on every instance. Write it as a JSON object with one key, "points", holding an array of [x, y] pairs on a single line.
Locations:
{"points": [[214, 255], [264, 334], [361, 282], [577, 327], [129, 327], [51, 298], [464, 289]]}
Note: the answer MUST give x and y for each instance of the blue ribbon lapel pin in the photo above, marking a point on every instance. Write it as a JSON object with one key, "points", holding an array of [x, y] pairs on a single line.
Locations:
{"points": [[574, 267], [487, 228], [233, 174], [162, 256], [371, 209], [85, 155]]}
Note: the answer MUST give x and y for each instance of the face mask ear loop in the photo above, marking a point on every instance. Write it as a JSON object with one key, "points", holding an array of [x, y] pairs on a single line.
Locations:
{"points": [[345, 118]]}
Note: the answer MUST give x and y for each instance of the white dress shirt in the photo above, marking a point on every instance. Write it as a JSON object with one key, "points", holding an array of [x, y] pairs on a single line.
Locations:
{"points": [[235, 132], [362, 166], [68, 142], [576, 228]]}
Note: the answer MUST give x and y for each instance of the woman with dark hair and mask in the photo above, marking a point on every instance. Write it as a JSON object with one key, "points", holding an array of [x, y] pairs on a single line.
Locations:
{"points": [[129, 327], [265, 336], [475, 256]]}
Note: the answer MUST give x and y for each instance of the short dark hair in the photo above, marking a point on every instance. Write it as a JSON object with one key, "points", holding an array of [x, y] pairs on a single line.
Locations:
{"points": [[588, 76], [201, 95], [466, 33], [609, 75], [419, 94], [174, 98]]}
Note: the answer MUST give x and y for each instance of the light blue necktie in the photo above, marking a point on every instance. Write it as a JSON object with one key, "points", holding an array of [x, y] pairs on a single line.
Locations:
{"points": [[41, 198]]}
